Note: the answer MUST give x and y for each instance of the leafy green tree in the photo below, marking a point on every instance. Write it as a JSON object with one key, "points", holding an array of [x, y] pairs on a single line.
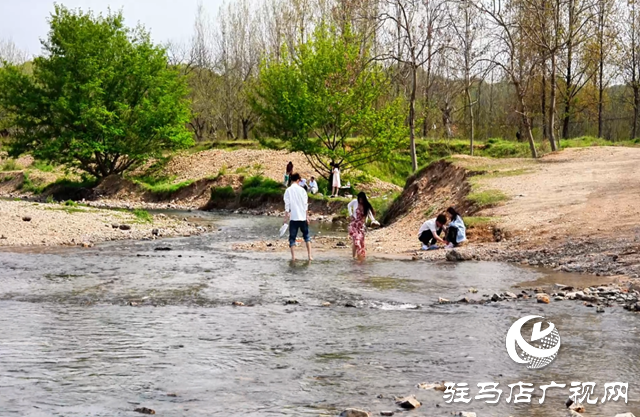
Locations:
{"points": [[326, 99], [101, 98]]}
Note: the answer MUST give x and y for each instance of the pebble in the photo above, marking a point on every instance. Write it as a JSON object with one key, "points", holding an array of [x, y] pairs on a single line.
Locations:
{"points": [[353, 412], [542, 298], [408, 403]]}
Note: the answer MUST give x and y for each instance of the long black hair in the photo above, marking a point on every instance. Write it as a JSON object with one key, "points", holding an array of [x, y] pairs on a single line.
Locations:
{"points": [[453, 213], [290, 167], [366, 206]]}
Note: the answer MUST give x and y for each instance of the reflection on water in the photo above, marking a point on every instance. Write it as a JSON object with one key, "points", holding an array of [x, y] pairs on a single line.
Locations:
{"points": [[102, 331]]}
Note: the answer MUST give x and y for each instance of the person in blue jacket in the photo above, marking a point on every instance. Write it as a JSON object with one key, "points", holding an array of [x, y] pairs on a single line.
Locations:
{"points": [[456, 231]]}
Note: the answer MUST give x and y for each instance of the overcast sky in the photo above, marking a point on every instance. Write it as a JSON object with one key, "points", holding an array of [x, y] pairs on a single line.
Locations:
{"points": [[25, 21]]}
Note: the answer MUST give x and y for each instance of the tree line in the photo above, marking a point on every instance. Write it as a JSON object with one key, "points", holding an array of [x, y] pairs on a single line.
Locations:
{"points": [[345, 81]]}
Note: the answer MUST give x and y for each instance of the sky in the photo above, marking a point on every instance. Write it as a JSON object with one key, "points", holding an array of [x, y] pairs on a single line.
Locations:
{"points": [[25, 21]]}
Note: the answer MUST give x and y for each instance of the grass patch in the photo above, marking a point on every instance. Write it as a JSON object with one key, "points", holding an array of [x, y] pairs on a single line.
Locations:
{"points": [[472, 221], [70, 203], [42, 166], [507, 173], [30, 186], [6, 178], [161, 184], [142, 216], [487, 197], [260, 187], [10, 165], [223, 193]]}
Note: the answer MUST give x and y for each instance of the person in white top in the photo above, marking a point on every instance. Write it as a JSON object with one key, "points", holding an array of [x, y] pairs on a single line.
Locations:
{"points": [[313, 186], [429, 233], [296, 206], [336, 180]]}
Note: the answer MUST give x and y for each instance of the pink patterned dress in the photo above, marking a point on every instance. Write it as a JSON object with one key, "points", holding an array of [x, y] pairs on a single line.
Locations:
{"points": [[356, 231]]}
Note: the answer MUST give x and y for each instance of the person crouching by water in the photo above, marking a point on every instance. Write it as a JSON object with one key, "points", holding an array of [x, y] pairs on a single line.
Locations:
{"points": [[456, 231], [360, 211], [296, 206], [313, 186], [429, 233]]}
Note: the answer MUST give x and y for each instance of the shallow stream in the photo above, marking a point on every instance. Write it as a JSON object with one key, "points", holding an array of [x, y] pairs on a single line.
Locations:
{"points": [[102, 331]]}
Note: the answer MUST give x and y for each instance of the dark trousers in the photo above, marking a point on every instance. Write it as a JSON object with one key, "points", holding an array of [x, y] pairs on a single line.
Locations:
{"points": [[452, 235], [427, 237], [294, 226]]}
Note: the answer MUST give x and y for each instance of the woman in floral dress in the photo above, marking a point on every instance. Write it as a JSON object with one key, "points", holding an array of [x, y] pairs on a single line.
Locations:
{"points": [[359, 211]]}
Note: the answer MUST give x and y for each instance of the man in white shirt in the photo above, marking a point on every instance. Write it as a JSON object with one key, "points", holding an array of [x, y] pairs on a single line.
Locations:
{"points": [[313, 186], [296, 206], [430, 231]]}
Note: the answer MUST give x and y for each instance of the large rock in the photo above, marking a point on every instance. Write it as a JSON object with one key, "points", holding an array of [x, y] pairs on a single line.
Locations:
{"points": [[352, 412], [455, 255], [408, 403], [542, 298]]}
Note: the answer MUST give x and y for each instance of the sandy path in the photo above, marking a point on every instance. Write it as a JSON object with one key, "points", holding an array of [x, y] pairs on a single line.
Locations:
{"points": [[577, 192]]}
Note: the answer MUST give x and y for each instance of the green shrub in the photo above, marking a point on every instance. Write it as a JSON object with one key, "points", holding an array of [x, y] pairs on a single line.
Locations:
{"points": [[259, 186], [70, 203], [222, 193], [42, 166], [29, 186], [50, 199]]}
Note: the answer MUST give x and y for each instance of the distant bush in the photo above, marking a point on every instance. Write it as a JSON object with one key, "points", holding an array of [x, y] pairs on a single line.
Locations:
{"points": [[42, 166], [222, 193], [258, 186], [10, 165]]}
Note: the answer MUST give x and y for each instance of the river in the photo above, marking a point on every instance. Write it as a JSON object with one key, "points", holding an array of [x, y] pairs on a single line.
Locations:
{"points": [[102, 331]]}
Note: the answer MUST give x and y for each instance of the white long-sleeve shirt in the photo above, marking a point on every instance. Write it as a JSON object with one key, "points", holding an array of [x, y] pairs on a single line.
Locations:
{"points": [[429, 225], [296, 202], [352, 207]]}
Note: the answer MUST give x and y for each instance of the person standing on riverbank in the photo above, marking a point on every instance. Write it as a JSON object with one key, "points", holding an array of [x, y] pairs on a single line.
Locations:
{"points": [[296, 205], [287, 175], [360, 211], [336, 181]]}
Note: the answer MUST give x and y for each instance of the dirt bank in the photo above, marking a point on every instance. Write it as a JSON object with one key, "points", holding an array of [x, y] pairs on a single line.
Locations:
{"points": [[26, 223], [577, 211]]}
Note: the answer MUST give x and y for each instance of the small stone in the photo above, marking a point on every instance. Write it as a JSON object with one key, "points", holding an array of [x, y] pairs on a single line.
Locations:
{"points": [[408, 403], [161, 248], [115, 226], [352, 412], [495, 298], [26, 219], [443, 301], [473, 290], [326, 304], [125, 227], [559, 298], [510, 295], [600, 309], [458, 256], [350, 304], [625, 415], [133, 304], [291, 302], [155, 232], [466, 414], [577, 407], [341, 244], [144, 410], [386, 413], [238, 303], [542, 298]]}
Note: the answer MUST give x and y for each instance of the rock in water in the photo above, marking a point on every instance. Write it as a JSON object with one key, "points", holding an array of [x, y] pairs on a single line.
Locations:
{"points": [[386, 413], [352, 412], [625, 415], [542, 298], [600, 309], [408, 403], [144, 410], [466, 414], [456, 256]]}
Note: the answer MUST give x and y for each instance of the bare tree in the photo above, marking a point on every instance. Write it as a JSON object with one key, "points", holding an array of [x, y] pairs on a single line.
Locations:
{"points": [[629, 57], [468, 27], [419, 29], [513, 53], [603, 47], [10, 53]]}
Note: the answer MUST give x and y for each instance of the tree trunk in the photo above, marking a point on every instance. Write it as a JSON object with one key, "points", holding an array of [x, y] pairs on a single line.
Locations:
{"points": [[543, 103], [552, 105], [636, 110], [246, 127], [471, 119], [526, 123], [566, 117], [601, 69], [412, 117]]}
